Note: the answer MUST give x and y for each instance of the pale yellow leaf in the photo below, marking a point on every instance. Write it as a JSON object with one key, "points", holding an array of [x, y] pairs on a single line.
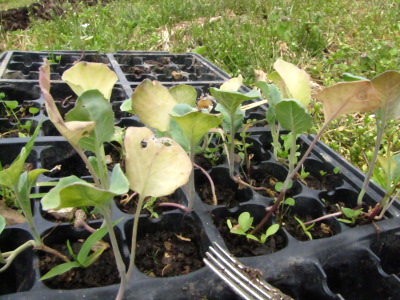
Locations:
{"points": [[85, 76], [152, 102], [233, 84], [348, 97], [154, 166]]}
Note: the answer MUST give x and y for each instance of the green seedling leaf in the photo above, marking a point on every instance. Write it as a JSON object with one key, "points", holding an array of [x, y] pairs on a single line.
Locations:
{"points": [[322, 172], [93, 257], [60, 269], [231, 100], [232, 84], [74, 192], [229, 223], [92, 106], [154, 166], [290, 201], [72, 131], [390, 166], [152, 103], [194, 124], [33, 110], [336, 170], [305, 228], [270, 231], [10, 176], [85, 76], [387, 85], [27, 181], [252, 237], [184, 94], [350, 214], [245, 221], [348, 97], [71, 251], [293, 82], [304, 173], [293, 116], [279, 185], [11, 104], [91, 240], [82, 260], [127, 106]]}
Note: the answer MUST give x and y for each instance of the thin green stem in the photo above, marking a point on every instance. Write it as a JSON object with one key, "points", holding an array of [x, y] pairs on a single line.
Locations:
{"points": [[117, 254], [10, 256], [368, 175], [26, 208], [190, 184], [275, 140], [134, 235], [292, 154], [231, 157], [101, 158], [88, 165], [290, 176]]}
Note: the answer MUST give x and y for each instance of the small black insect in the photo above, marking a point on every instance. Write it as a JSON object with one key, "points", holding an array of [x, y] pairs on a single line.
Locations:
{"points": [[143, 143]]}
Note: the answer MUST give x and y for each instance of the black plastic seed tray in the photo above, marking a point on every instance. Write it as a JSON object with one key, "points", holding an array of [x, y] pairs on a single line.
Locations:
{"points": [[130, 66], [348, 262]]}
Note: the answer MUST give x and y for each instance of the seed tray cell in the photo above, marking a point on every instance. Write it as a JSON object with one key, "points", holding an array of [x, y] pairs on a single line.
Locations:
{"points": [[25, 65], [166, 67]]}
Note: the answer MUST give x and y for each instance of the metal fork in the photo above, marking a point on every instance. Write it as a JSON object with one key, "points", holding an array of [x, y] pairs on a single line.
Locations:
{"points": [[245, 281]]}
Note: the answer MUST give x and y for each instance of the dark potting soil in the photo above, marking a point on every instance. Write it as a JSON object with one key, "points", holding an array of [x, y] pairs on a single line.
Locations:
{"points": [[328, 182], [166, 254], [138, 71], [240, 246], [203, 162], [8, 133], [319, 231], [102, 272], [225, 195]]}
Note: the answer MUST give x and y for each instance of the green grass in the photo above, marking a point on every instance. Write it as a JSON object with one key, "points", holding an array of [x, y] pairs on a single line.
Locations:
{"points": [[324, 37], [7, 4]]}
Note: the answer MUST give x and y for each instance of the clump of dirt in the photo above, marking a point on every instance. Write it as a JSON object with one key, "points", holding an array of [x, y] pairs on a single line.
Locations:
{"points": [[20, 18]]}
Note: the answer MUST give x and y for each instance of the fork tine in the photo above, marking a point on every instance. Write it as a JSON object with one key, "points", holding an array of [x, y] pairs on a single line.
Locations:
{"points": [[236, 276]]}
